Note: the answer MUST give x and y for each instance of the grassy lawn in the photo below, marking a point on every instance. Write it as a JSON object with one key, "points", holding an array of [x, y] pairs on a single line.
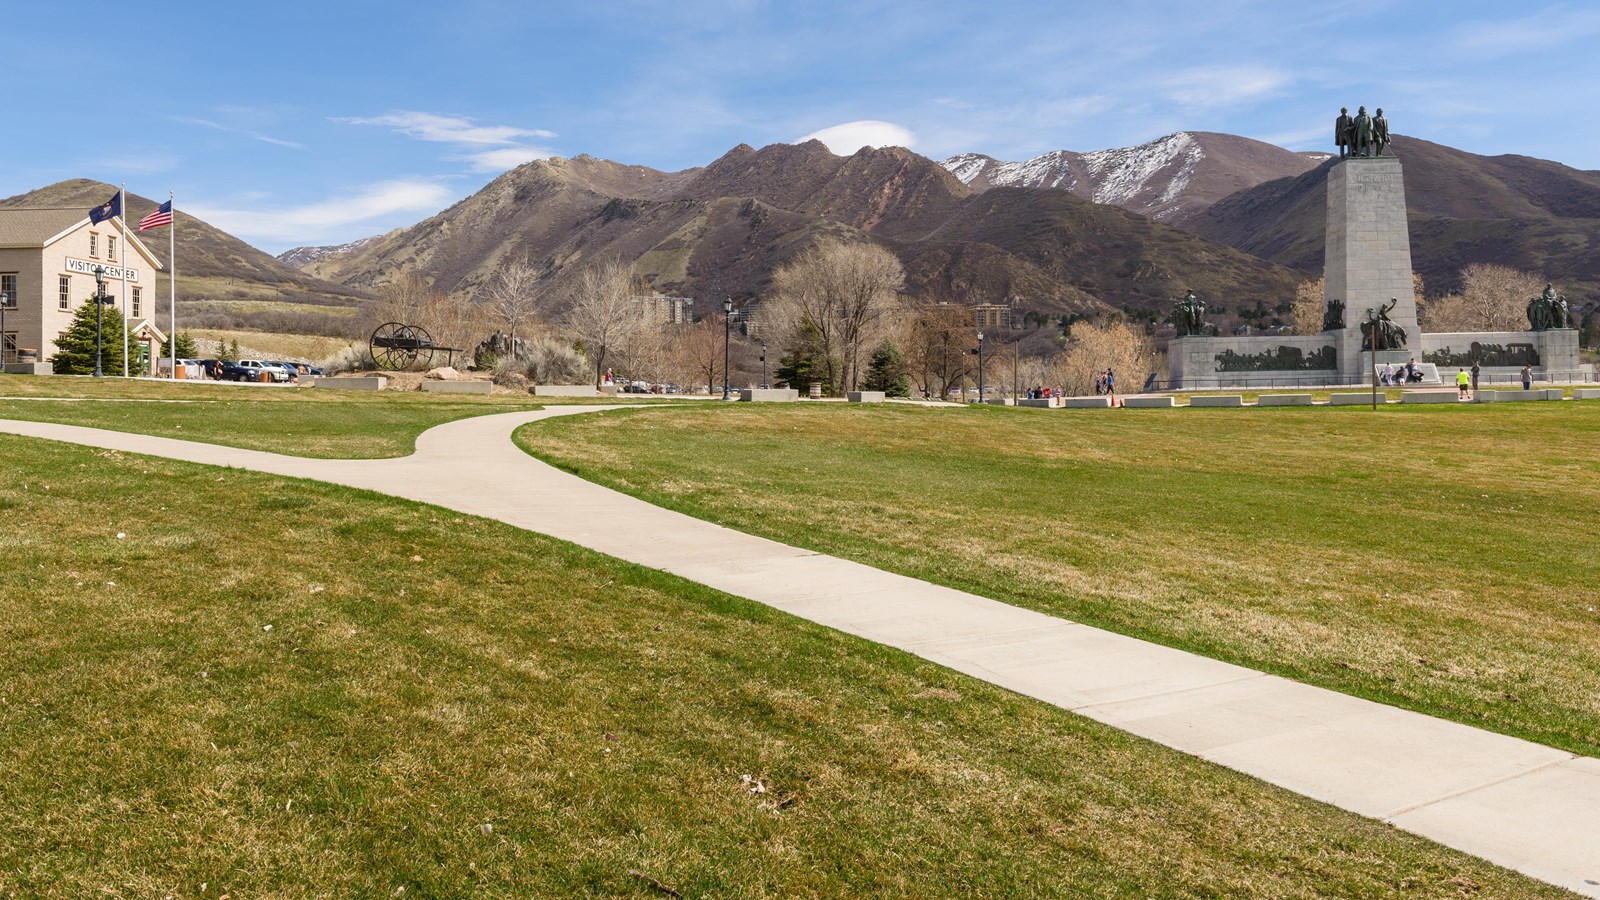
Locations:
{"points": [[1435, 558], [373, 695], [289, 420]]}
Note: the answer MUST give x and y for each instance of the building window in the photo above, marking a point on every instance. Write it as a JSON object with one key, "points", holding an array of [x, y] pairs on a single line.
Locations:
{"points": [[138, 301], [65, 300], [111, 248], [94, 245], [8, 289]]}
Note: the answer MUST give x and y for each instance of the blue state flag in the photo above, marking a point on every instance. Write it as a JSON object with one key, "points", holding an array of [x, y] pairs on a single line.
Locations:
{"points": [[106, 210]]}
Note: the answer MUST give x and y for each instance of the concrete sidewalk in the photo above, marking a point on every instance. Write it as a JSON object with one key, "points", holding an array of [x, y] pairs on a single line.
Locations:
{"points": [[1521, 805]]}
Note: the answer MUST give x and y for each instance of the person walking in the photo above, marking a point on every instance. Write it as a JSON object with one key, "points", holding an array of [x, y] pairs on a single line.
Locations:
{"points": [[1462, 380], [1475, 369], [1388, 374], [1527, 378]]}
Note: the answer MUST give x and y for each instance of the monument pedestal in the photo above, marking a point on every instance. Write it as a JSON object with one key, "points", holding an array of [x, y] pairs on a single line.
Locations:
{"points": [[1368, 260]]}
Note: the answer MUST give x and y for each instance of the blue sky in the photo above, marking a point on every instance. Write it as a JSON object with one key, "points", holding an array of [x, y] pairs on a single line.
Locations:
{"points": [[298, 123]]}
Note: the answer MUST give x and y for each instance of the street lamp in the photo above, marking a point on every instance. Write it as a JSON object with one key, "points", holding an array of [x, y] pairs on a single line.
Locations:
{"points": [[100, 301], [763, 365], [727, 334], [5, 301], [980, 367]]}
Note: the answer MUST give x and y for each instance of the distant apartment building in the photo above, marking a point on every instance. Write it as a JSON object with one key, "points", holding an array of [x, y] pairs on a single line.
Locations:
{"points": [[994, 315], [48, 259], [662, 310]]}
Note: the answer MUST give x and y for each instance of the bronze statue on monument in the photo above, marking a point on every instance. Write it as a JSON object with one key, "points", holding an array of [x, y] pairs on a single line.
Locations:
{"points": [[1189, 315]]}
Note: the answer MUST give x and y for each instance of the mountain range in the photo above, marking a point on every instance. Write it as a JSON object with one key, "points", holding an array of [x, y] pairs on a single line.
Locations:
{"points": [[1236, 220], [1165, 179], [724, 228]]}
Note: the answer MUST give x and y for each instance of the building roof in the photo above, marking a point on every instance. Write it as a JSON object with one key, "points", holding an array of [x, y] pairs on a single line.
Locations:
{"points": [[35, 227], [31, 228]]}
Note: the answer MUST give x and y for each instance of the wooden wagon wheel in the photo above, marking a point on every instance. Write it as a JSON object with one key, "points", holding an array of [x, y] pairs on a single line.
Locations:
{"points": [[421, 346]]}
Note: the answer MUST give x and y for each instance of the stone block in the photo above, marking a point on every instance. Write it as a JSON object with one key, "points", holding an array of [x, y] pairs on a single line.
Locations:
{"points": [[1040, 402], [1586, 393], [1351, 398], [368, 383], [1430, 397], [458, 387], [770, 395], [1223, 400], [1086, 402], [1511, 396], [862, 396], [565, 390], [1149, 402], [1284, 400], [29, 368]]}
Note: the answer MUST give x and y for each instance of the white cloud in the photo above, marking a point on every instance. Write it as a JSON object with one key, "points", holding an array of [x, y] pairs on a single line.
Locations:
{"points": [[507, 158], [448, 129], [330, 218], [253, 135], [847, 138], [1209, 87]]}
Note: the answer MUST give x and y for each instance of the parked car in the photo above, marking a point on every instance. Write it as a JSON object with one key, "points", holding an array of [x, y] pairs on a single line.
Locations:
{"points": [[251, 370]]}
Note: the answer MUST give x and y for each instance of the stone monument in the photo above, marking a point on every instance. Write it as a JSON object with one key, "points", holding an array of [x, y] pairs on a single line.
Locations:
{"points": [[1368, 259]]}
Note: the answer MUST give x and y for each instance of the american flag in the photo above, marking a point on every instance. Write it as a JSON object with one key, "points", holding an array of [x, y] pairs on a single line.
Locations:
{"points": [[162, 216]]}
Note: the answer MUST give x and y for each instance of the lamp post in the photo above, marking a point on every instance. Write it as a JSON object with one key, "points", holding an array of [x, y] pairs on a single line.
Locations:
{"points": [[980, 367], [5, 301], [727, 335], [99, 308], [763, 365]]}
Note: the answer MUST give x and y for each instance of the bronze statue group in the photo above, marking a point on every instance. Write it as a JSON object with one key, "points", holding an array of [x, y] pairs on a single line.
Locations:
{"points": [[1360, 135], [1549, 310]]}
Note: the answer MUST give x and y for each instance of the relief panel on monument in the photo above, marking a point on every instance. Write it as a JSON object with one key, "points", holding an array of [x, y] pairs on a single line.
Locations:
{"points": [[1507, 355], [1283, 359]]}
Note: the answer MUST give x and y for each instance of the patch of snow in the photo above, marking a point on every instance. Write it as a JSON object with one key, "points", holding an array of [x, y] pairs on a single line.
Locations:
{"points": [[1123, 173]]}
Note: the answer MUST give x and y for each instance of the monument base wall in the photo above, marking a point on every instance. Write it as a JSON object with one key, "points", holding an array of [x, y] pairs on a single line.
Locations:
{"points": [[1253, 361]]}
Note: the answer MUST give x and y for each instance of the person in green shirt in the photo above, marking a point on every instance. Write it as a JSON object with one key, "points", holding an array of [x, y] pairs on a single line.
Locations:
{"points": [[1462, 380]]}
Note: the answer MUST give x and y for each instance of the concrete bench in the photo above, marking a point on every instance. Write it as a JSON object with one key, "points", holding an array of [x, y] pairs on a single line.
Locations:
{"points": [[1222, 400], [864, 396], [1586, 393], [1149, 402], [1354, 399], [458, 387], [1040, 402], [371, 383], [1085, 402], [565, 390], [1517, 396], [770, 395], [1430, 397], [1283, 400]]}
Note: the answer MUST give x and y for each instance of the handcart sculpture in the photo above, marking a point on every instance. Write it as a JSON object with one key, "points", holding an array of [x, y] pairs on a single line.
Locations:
{"points": [[396, 346]]}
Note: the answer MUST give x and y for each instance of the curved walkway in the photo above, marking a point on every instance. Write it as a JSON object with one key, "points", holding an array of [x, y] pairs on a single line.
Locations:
{"points": [[1522, 805]]}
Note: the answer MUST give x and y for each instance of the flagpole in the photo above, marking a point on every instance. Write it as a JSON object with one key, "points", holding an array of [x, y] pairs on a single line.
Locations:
{"points": [[172, 282], [122, 222]]}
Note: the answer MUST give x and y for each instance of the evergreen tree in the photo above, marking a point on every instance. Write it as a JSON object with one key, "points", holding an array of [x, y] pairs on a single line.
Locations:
{"points": [[226, 353], [801, 365], [75, 346], [186, 347], [887, 372]]}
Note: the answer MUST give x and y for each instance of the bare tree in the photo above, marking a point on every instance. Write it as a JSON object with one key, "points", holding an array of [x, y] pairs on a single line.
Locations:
{"points": [[938, 340], [1307, 308], [512, 294], [1118, 346], [698, 351], [1492, 298], [843, 291], [605, 312]]}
